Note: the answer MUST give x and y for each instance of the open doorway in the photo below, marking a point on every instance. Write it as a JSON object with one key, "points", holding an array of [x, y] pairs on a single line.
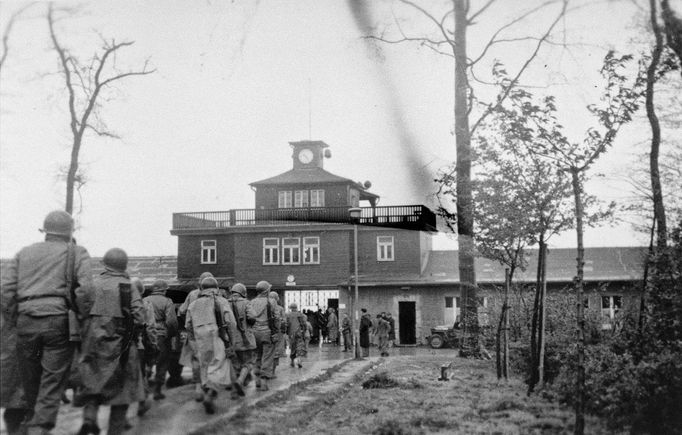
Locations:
{"points": [[407, 322]]}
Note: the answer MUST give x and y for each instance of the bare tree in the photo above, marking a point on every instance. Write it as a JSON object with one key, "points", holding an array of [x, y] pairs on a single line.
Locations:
{"points": [[451, 29], [85, 83]]}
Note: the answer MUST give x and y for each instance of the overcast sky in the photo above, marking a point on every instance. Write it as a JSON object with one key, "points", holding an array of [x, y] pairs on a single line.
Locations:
{"points": [[237, 81]]}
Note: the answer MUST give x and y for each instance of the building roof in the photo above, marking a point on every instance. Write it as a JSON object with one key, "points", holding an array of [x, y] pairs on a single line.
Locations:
{"points": [[601, 264], [314, 175]]}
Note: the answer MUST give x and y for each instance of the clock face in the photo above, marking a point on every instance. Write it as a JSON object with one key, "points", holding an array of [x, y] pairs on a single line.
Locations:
{"points": [[305, 156]]}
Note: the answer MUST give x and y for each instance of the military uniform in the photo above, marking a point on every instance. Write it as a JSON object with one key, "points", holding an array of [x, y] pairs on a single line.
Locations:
{"points": [[280, 342], [166, 329], [109, 365], [297, 326], [264, 311], [244, 340], [35, 296], [215, 367]]}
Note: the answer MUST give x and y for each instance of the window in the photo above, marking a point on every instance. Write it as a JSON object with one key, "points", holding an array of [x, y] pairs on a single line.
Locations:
{"points": [[284, 199], [317, 198], [610, 307], [208, 251], [291, 250], [270, 251], [311, 250], [448, 302], [301, 198], [385, 248]]}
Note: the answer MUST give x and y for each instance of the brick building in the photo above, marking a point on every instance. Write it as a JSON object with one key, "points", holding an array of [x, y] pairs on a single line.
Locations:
{"points": [[300, 237]]}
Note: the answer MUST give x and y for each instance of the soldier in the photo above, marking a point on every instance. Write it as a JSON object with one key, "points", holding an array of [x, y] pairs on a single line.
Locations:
{"points": [[345, 329], [166, 329], [188, 355], [264, 311], [244, 341], [109, 365], [297, 328], [212, 325], [365, 327], [36, 300], [147, 346], [280, 342], [391, 331], [382, 329], [332, 327], [11, 391]]}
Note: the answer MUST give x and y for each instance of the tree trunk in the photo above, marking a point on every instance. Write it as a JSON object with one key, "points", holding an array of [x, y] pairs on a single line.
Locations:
{"points": [[541, 317], [465, 207], [580, 381], [505, 336], [656, 188], [534, 322]]}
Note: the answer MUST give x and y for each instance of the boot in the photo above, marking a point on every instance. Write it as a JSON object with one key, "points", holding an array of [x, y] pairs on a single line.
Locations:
{"points": [[158, 395], [88, 428], [209, 405], [263, 384], [198, 393], [13, 418], [241, 380], [299, 363], [248, 378], [258, 383], [142, 407]]}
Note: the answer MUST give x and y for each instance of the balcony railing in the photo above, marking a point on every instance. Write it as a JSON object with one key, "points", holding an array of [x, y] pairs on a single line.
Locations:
{"points": [[415, 217]]}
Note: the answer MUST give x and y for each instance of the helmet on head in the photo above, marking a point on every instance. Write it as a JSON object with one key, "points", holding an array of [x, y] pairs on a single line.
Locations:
{"points": [[205, 275], [273, 295], [239, 288], [160, 284], [116, 258], [59, 223], [208, 282], [263, 286], [293, 306]]}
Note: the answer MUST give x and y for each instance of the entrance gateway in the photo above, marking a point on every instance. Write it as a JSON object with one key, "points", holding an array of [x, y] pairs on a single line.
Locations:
{"points": [[312, 299]]}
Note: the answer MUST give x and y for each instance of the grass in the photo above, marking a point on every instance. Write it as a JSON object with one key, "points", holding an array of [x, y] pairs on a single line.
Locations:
{"points": [[403, 396]]}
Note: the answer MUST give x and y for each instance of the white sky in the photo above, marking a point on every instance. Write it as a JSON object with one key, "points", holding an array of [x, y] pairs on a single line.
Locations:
{"points": [[235, 82]]}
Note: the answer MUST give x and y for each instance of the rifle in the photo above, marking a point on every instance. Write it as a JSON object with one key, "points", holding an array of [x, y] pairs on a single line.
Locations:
{"points": [[222, 328], [75, 316]]}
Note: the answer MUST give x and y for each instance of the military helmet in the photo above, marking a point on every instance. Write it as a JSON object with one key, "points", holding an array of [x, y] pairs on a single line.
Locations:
{"points": [[116, 258], [273, 295], [293, 305], [208, 282], [59, 223], [205, 275], [160, 284], [263, 286], [239, 288]]}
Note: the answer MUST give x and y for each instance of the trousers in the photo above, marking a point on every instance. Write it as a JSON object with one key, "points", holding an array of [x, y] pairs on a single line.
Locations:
{"points": [[45, 355], [264, 364], [162, 360]]}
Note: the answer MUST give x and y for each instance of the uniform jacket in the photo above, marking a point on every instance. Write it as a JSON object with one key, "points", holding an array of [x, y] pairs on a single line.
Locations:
{"points": [[215, 368], [297, 325], [257, 309], [164, 313], [365, 326], [345, 325], [109, 364], [391, 331], [382, 328], [244, 338], [34, 282], [332, 327]]}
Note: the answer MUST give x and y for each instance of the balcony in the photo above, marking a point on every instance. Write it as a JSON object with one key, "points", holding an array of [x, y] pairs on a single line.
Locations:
{"points": [[411, 217]]}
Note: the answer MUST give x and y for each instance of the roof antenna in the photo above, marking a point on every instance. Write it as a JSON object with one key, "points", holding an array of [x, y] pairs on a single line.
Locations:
{"points": [[310, 111]]}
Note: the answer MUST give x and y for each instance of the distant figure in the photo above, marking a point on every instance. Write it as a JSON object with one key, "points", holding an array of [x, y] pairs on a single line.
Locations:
{"points": [[297, 328], [365, 327], [332, 327], [212, 325], [391, 332], [312, 318], [166, 329], [345, 329], [109, 365], [322, 321], [188, 355], [35, 299], [147, 346], [382, 328]]}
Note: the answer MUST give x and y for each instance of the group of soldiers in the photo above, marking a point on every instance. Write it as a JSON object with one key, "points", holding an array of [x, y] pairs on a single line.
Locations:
{"points": [[60, 328]]}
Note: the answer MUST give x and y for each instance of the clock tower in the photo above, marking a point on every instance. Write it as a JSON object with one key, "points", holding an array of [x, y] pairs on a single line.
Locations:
{"points": [[309, 154]]}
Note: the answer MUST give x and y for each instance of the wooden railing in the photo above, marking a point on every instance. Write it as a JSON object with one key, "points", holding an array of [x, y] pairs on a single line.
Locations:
{"points": [[400, 216]]}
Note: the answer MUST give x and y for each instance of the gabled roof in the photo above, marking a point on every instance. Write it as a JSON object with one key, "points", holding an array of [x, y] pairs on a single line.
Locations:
{"points": [[313, 175]]}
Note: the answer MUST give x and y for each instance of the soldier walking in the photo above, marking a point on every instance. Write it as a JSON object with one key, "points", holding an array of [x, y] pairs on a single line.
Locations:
{"points": [[147, 346], [188, 355], [166, 329], [109, 365], [212, 325], [41, 283], [297, 328], [280, 342], [345, 329], [382, 329], [244, 341], [264, 311]]}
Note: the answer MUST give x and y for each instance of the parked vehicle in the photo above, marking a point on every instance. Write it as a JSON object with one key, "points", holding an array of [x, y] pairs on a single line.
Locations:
{"points": [[444, 336]]}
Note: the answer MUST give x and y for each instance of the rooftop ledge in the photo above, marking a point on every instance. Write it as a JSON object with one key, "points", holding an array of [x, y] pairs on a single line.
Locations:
{"points": [[411, 217]]}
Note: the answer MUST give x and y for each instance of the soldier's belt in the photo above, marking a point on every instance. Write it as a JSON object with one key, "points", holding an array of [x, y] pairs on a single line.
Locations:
{"points": [[41, 296]]}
